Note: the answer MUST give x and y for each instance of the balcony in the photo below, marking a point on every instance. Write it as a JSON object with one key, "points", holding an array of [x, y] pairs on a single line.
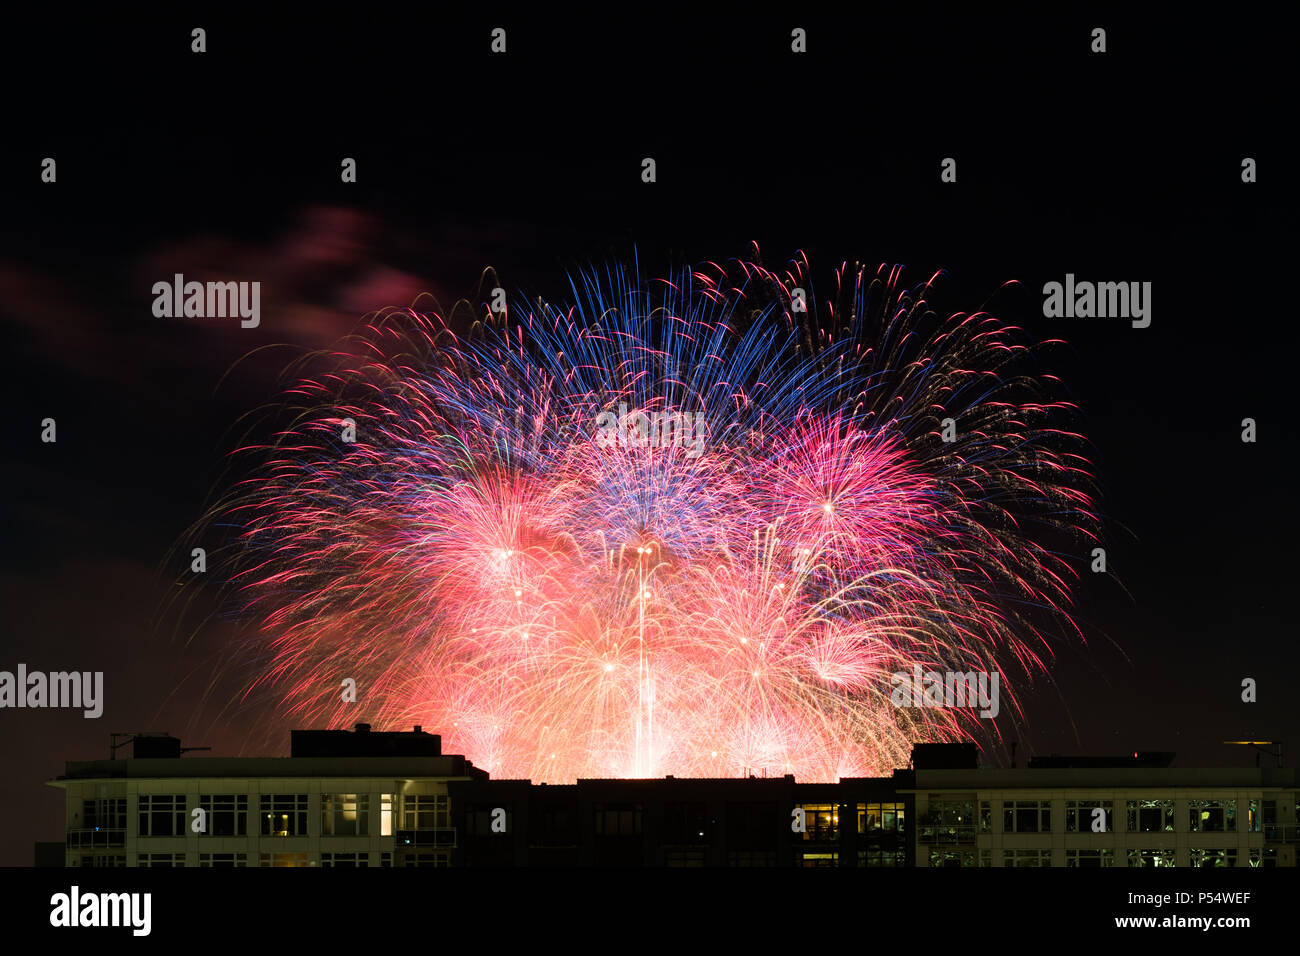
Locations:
{"points": [[439, 837], [935, 831], [87, 838]]}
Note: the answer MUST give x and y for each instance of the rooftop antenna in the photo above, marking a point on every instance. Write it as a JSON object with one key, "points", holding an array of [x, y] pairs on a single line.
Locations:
{"points": [[114, 743]]}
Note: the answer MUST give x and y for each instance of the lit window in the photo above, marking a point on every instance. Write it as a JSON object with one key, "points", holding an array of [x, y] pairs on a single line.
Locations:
{"points": [[821, 822], [284, 814], [1151, 816], [1212, 816], [345, 814], [1212, 858], [1161, 858]]}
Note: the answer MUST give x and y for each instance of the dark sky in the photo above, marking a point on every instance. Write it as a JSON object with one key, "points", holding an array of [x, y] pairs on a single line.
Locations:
{"points": [[1118, 167]]}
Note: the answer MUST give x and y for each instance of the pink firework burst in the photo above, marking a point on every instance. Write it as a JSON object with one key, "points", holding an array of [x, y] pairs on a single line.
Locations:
{"points": [[691, 526]]}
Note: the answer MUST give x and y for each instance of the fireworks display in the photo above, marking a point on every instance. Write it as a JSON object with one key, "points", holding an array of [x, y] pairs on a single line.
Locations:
{"points": [[687, 526]]}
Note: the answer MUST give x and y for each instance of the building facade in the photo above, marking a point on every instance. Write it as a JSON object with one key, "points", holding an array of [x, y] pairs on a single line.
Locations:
{"points": [[341, 799], [684, 822], [370, 799], [1091, 812]]}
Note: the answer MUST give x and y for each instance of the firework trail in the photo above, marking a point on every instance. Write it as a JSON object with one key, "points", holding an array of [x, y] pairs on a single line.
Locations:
{"points": [[684, 526]]}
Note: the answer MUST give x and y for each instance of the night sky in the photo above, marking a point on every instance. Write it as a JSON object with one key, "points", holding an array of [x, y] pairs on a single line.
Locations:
{"points": [[1117, 167]]}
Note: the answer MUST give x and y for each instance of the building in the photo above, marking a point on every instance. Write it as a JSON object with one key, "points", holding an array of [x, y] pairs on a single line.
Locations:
{"points": [[362, 798], [772, 821], [341, 799], [1101, 811]]}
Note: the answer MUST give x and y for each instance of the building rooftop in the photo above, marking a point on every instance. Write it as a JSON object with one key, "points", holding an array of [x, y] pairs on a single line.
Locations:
{"points": [[314, 753]]}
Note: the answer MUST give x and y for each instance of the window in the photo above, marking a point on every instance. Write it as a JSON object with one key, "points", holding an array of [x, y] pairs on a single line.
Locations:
{"points": [[426, 821], [386, 814], [1090, 858], [479, 819], [345, 814], [819, 859], [686, 824], [986, 816], [358, 859], [553, 825], [952, 857], [890, 858], [428, 858], [875, 819], [106, 860], [106, 814], [1027, 816], [949, 821], [1081, 816], [1213, 858], [1026, 858], [159, 859], [1268, 816], [1253, 821], [821, 822], [1212, 816], [386, 858], [101, 823], [750, 825], [751, 858], [1151, 858], [222, 860], [618, 819], [282, 859], [1151, 816], [284, 814], [162, 815], [227, 814], [684, 857], [422, 811]]}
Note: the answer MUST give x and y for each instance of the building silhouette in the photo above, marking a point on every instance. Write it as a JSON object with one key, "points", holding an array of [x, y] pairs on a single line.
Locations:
{"points": [[363, 798]]}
